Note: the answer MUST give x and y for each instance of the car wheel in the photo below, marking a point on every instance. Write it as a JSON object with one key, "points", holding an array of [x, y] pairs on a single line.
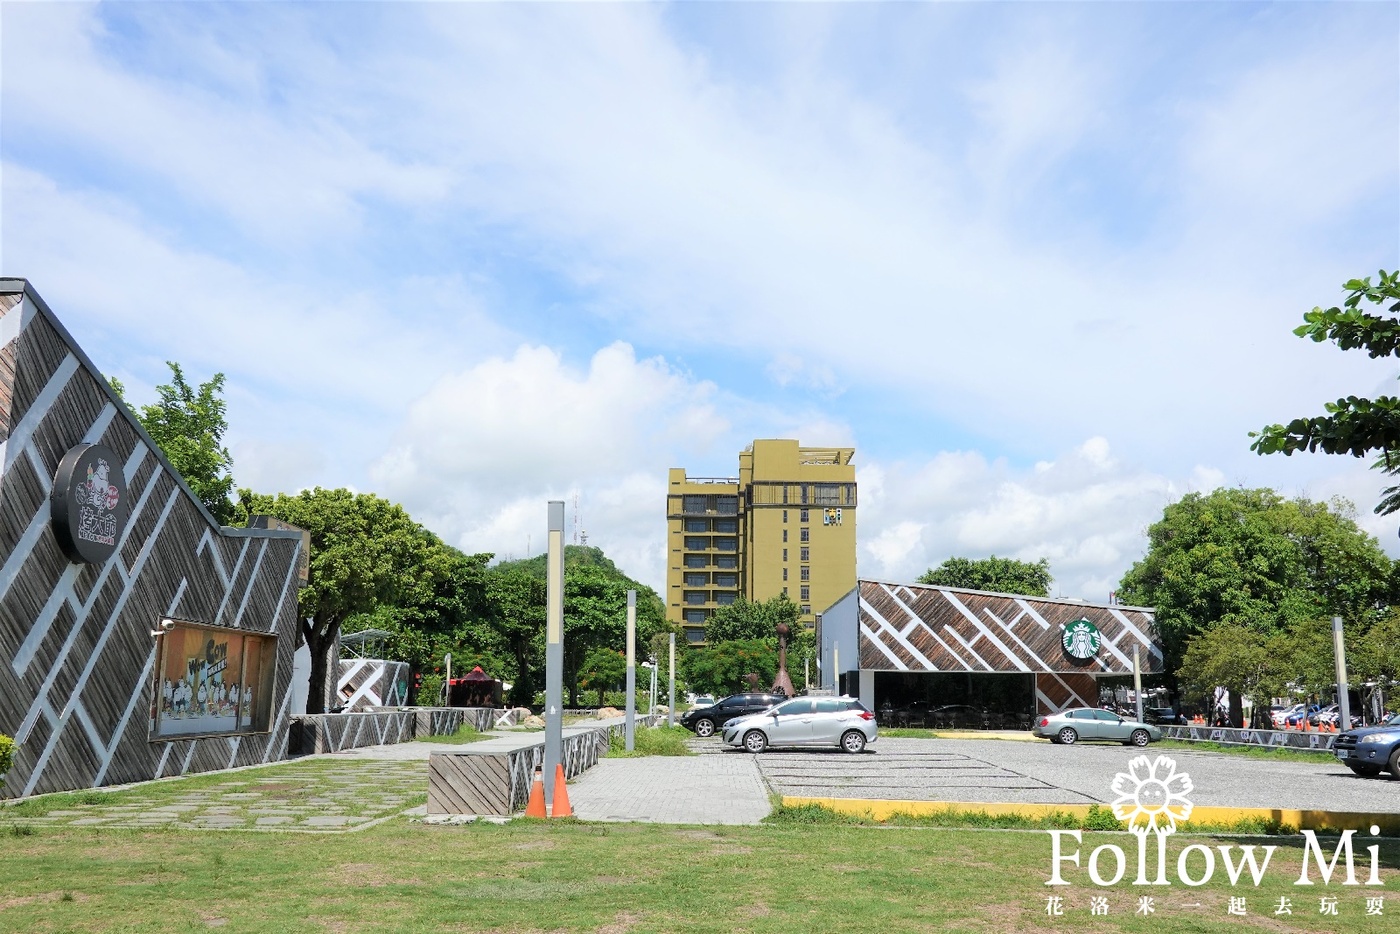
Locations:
{"points": [[755, 741], [1366, 771], [1140, 738], [1068, 736], [1395, 764], [704, 727], [853, 741]]}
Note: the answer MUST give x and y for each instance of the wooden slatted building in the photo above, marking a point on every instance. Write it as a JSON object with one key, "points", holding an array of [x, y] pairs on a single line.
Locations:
{"points": [[77, 653], [911, 644]]}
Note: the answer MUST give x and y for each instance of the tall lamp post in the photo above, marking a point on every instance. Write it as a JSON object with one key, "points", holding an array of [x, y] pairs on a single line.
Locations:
{"points": [[631, 668], [554, 649]]}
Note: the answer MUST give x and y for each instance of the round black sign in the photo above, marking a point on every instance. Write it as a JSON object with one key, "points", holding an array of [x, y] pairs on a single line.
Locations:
{"points": [[89, 503]]}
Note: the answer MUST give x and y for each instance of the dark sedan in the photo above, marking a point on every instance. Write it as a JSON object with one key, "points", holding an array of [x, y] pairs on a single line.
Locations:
{"points": [[704, 721]]}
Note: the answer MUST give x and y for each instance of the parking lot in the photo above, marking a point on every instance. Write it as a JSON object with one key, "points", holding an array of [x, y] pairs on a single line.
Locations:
{"points": [[997, 771]]}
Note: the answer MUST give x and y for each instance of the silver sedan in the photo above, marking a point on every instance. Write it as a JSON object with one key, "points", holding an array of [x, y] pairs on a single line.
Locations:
{"points": [[805, 721], [1081, 723]]}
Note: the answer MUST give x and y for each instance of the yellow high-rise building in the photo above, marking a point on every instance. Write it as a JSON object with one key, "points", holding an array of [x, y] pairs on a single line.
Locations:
{"points": [[786, 524]]}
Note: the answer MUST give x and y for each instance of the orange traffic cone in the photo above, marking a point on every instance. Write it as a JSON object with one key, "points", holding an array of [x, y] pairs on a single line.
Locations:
{"points": [[535, 807], [561, 794]]}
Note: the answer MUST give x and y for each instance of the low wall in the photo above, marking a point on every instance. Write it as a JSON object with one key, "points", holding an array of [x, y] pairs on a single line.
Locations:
{"points": [[494, 776], [1227, 736], [336, 732]]}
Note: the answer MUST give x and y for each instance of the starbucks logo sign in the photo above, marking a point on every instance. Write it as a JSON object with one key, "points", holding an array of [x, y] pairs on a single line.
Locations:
{"points": [[1081, 639], [89, 503]]}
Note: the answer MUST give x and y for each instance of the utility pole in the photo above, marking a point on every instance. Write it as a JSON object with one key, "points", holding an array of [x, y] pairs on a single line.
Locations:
{"points": [[1137, 682], [1343, 695], [554, 649], [671, 698], [631, 668]]}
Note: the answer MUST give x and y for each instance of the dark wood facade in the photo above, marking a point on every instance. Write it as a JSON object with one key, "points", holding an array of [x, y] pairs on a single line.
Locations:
{"points": [[76, 649]]}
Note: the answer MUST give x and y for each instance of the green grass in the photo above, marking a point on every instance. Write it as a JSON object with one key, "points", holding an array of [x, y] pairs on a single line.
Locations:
{"points": [[1268, 753], [650, 741], [805, 875], [465, 734]]}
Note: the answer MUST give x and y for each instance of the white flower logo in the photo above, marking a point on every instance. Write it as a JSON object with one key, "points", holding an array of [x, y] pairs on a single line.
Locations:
{"points": [[1152, 796]]}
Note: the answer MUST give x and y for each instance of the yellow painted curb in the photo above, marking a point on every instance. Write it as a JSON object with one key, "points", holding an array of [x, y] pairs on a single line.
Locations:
{"points": [[882, 809]]}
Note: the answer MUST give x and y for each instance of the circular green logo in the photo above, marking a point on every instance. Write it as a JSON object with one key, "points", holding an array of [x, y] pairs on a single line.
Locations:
{"points": [[1081, 639]]}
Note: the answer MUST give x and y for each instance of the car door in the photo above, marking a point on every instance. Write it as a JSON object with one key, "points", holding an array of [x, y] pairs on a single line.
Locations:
{"points": [[1084, 722], [1111, 726], [828, 721], [791, 723]]}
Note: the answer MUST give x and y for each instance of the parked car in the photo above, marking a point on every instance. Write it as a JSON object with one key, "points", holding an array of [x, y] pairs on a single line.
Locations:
{"points": [[1070, 726], [1295, 718], [1328, 715], [1370, 749], [705, 721], [1164, 716], [1276, 715], [703, 700], [806, 721]]}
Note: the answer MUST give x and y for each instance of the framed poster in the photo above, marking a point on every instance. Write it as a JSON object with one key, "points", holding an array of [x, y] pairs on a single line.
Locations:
{"points": [[211, 680]]}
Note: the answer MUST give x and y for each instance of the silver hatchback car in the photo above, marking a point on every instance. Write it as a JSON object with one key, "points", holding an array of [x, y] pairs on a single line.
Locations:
{"points": [[805, 721], [1080, 723]]}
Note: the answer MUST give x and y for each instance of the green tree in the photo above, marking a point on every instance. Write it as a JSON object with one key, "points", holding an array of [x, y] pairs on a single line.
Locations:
{"points": [[517, 602], [1352, 425], [189, 425], [720, 668], [603, 669], [1001, 575], [595, 616], [1238, 657], [366, 553], [743, 620], [1254, 559]]}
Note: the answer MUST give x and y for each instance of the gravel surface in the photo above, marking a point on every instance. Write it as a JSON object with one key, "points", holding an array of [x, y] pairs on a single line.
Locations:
{"points": [[991, 771]]}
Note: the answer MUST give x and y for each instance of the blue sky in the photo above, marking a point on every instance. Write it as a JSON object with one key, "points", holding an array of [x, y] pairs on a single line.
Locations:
{"points": [[1038, 262]]}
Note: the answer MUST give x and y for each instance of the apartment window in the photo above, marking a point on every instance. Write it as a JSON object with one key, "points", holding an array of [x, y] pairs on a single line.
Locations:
{"points": [[726, 561], [784, 591], [695, 561], [784, 515], [806, 573], [784, 536], [784, 554], [827, 494], [785, 494], [727, 525], [695, 635], [697, 525], [727, 505], [806, 610], [806, 535], [805, 499], [727, 544], [725, 599], [695, 616], [696, 544], [784, 573], [726, 580], [696, 596], [693, 503], [803, 516], [696, 580], [806, 593], [806, 554]]}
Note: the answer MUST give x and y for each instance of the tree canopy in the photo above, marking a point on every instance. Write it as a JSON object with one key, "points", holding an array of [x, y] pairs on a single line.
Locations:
{"points": [[743, 620], [1353, 425], [1002, 575], [1254, 559], [189, 425]]}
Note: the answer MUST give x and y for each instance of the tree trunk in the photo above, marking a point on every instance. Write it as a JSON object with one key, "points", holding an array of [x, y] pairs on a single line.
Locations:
{"points": [[325, 673], [1236, 710]]}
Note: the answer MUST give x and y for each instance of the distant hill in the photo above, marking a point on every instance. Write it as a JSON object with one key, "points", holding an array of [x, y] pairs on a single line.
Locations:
{"points": [[574, 556]]}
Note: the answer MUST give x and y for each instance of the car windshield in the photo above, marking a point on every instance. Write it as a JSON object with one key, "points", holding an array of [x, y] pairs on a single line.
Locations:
{"points": [[1393, 721]]}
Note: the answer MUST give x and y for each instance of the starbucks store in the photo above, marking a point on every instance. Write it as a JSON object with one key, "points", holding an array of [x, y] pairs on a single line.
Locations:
{"points": [[950, 658]]}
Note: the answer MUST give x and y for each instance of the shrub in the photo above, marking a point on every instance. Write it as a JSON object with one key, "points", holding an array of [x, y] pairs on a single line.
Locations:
{"points": [[650, 741], [7, 754]]}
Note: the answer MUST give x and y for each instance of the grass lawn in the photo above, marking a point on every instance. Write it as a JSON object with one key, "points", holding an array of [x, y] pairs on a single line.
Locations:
{"points": [[650, 741], [465, 734], [1272, 754], [567, 876]]}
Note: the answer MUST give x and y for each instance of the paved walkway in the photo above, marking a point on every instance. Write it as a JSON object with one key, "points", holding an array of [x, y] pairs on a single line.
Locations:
{"points": [[672, 790]]}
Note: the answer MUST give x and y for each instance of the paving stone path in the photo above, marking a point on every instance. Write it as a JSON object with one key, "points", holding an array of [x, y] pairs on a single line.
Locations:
{"points": [[323, 793]]}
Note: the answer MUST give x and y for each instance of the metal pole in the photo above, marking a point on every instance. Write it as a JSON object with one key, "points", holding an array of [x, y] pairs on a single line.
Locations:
{"points": [[447, 685], [836, 665], [671, 698], [631, 668], [554, 649], [1137, 682], [807, 675], [1343, 701]]}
